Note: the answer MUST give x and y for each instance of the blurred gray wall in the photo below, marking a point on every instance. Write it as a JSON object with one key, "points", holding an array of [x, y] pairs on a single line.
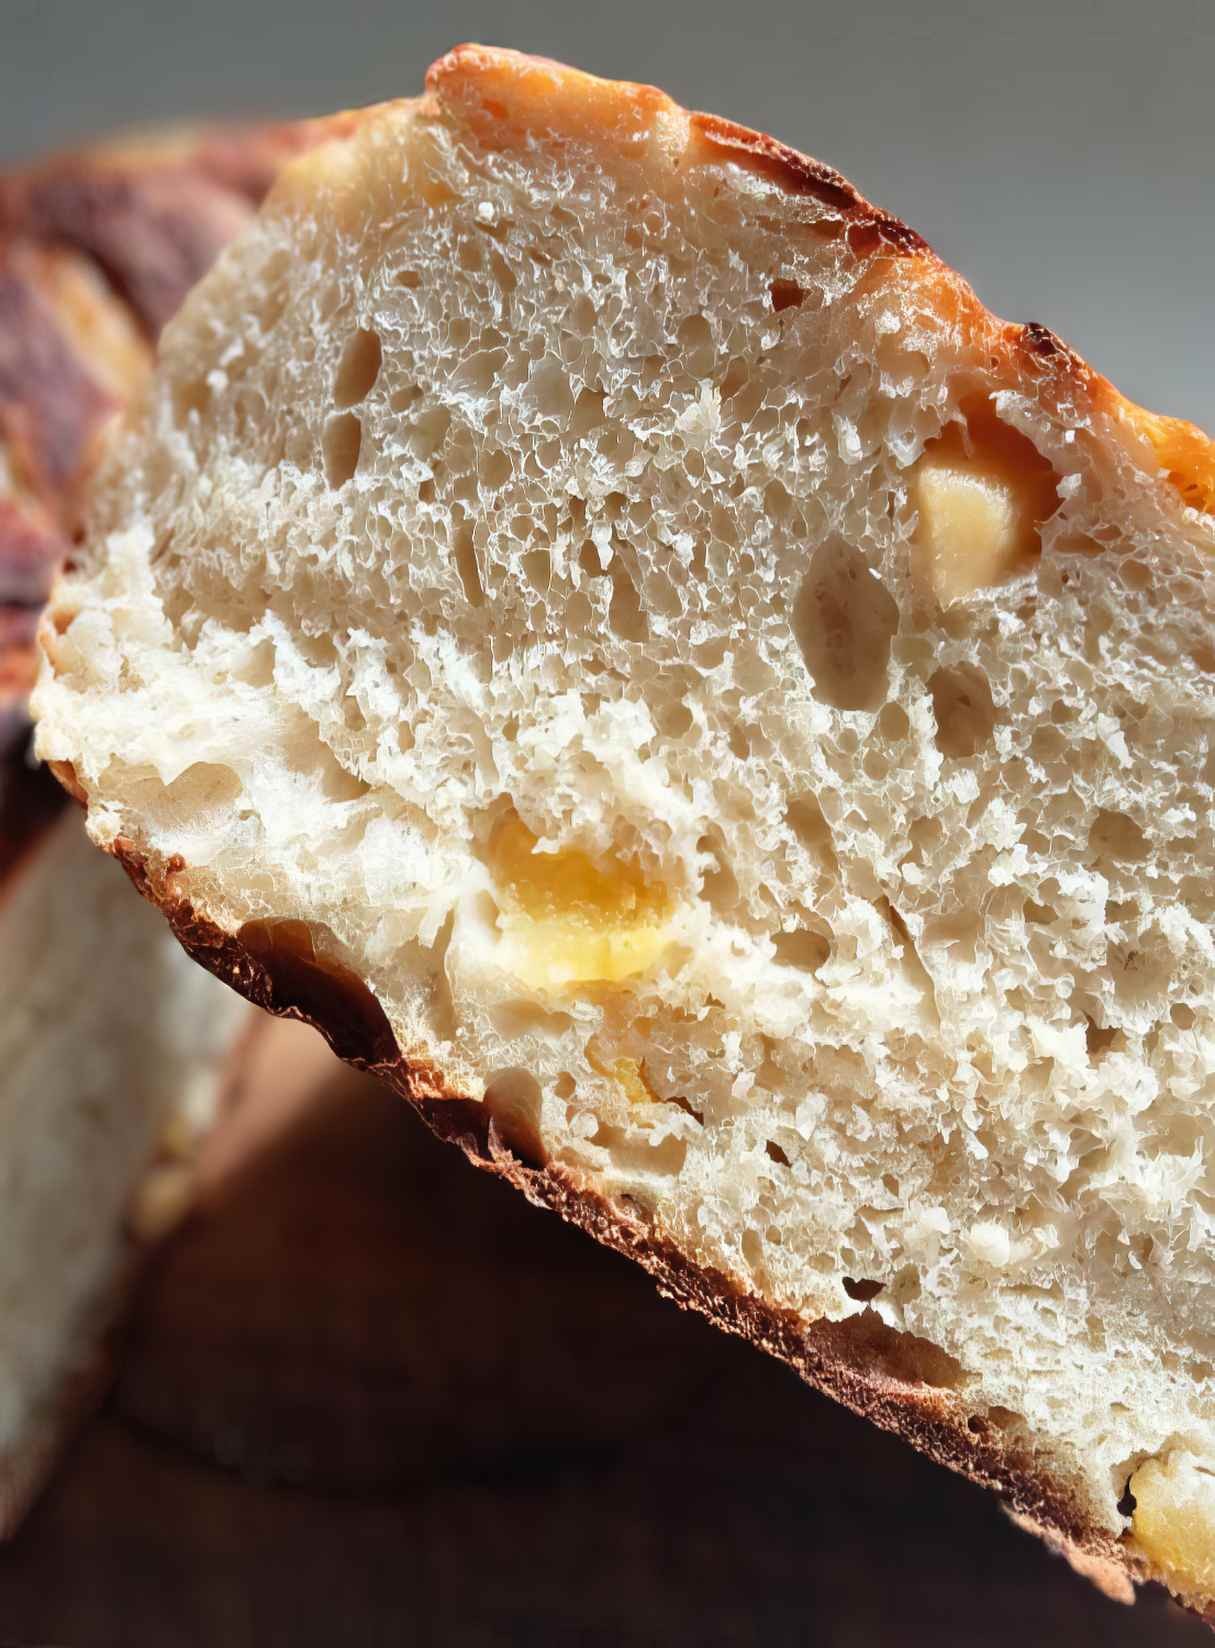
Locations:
{"points": [[1061, 155]]}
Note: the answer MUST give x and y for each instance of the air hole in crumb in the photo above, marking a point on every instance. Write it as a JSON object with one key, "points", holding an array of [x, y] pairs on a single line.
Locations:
{"points": [[495, 469], [358, 369], [786, 294], [631, 1154], [962, 704], [695, 340], [844, 620], [1183, 1016], [1114, 835], [527, 1018], [626, 617], [588, 413], [1128, 1504], [564, 1086], [674, 720], [1004, 1419], [191, 396], [687, 1107], [775, 1153], [410, 279], [804, 949], [892, 724], [718, 884], [538, 569], [512, 1098], [464, 553], [805, 818], [864, 1290], [1101, 1039], [342, 442], [957, 931], [947, 931], [865, 1340]]}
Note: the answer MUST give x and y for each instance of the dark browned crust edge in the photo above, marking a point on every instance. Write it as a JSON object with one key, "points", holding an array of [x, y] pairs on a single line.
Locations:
{"points": [[868, 1368], [798, 174]]}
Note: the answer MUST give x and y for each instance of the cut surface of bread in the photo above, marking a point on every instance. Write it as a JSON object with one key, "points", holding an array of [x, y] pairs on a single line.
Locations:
{"points": [[597, 617]]}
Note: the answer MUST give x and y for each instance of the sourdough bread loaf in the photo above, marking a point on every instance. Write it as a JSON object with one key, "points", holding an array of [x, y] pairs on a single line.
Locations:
{"points": [[596, 616]]}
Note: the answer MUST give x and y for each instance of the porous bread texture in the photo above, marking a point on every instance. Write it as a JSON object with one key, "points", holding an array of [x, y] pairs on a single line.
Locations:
{"points": [[100, 1006], [531, 570]]}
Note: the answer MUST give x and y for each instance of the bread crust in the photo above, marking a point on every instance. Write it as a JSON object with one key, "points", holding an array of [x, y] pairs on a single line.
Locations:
{"points": [[474, 78]]}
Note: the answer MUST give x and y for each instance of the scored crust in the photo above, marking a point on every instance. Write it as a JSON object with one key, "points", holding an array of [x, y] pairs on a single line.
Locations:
{"points": [[902, 1383]]}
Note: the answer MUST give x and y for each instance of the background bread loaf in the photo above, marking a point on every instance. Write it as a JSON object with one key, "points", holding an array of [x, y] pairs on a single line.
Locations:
{"points": [[112, 1054]]}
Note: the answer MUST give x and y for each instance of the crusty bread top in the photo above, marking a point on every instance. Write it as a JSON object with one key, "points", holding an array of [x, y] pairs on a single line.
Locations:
{"points": [[566, 485], [508, 95]]}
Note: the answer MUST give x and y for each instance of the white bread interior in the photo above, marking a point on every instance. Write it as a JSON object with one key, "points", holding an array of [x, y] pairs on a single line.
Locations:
{"points": [[112, 1051], [737, 718]]}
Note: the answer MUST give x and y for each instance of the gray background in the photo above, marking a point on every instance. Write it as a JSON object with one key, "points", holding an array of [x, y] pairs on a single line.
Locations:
{"points": [[1061, 155]]}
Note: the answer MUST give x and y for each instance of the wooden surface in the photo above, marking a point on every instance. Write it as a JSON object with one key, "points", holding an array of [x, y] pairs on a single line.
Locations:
{"points": [[368, 1396]]}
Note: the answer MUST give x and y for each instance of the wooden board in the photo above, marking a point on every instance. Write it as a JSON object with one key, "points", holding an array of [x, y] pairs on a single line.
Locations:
{"points": [[368, 1396]]}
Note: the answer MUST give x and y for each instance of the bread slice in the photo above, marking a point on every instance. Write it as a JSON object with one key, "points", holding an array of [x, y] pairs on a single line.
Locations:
{"points": [[594, 615], [115, 1052]]}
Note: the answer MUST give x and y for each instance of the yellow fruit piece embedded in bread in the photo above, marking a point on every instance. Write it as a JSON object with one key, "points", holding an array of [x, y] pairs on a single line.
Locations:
{"points": [[628, 1074], [1174, 1522], [568, 920], [981, 496]]}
